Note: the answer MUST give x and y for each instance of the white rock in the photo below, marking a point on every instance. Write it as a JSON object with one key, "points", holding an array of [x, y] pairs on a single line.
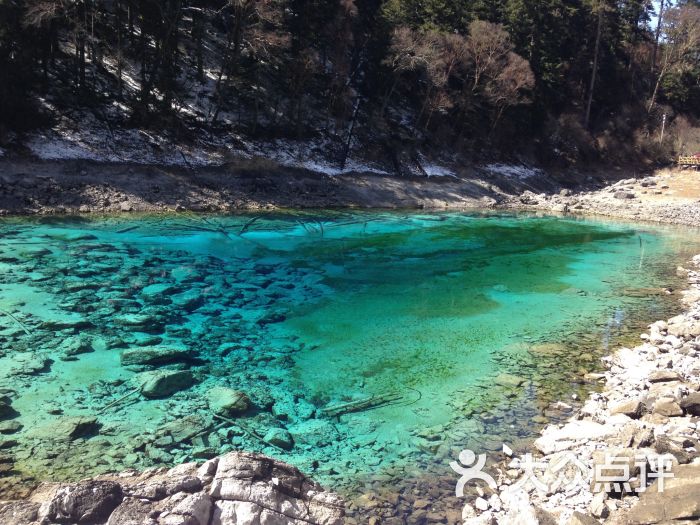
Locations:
{"points": [[481, 504]]}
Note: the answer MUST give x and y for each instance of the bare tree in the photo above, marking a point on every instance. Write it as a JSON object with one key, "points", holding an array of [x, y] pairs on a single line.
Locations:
{"points": [[681, 31], [510, 87], [409, 52], [488, 46]]}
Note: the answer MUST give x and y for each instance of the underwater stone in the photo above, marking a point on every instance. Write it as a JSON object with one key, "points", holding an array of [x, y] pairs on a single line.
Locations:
{"points": [[314, 432], [188, 301], [75, 346], [152, 355], [508, 380], [75, 427], [226, 401], [137, 320], [6, 410], [158, 289], [185, 428], [165, 383], [28, 365], [158, 455], [279, 437], [10, 427], [7, 443]]}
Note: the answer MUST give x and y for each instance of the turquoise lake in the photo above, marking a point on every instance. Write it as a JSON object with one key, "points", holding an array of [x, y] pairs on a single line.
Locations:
{"points": [[469, 327]]}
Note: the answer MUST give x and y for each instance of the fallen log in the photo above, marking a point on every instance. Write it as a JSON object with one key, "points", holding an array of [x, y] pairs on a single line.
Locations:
{"points": [[360, 405]]}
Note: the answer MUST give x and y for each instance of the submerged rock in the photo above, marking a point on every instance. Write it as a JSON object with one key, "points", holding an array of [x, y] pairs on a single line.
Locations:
{"points": [[10, 427], [153, 355], [279, 437], [508, 380], [28, 365], [71, 428], [164, 383], [226, 401], [6, 410], [75, 346]]}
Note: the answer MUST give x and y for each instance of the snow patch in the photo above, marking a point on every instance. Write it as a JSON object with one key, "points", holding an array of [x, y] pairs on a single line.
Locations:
{"points": [[2, 152], [307, 156], [52, 148], [514, 171], [436, 170]]}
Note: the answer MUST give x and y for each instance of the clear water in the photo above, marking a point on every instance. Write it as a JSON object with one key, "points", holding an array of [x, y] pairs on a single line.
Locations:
{"points": [[309, 311]]}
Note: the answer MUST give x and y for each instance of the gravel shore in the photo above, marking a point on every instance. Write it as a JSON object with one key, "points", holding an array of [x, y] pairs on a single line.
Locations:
{"points": [[671, 197], [648, 411]]}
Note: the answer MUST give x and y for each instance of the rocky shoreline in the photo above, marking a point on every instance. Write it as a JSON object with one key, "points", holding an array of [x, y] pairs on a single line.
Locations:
{"points": [[72, 187], [634, 199], [649, 409], [235, 489]]}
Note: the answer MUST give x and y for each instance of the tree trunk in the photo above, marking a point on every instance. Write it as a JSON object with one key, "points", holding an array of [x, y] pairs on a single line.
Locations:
{"points": [[657, 35], [594, 73]]}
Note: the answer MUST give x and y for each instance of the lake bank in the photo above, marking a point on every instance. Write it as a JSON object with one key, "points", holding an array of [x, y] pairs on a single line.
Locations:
{"points": [[41, 187]]}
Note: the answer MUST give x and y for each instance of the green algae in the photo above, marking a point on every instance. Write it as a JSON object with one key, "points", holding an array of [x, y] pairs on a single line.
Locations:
{"points": [[302, 311]]}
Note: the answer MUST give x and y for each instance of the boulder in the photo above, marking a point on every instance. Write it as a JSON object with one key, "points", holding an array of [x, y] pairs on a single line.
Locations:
{"points": [[19, 512], [280, 438], [164, 383], [555, 439], [687, 329], [193, 509], [578, 518], [663, 376], [153, 355], [680, 499], [666, 445], [631, 408], [261, 489], [132, 511], [27, 364], [314, 432], [691, 404], [227, 401], [668, 407], [158, 289], [88, 502], [182, 429], [240, 488]]}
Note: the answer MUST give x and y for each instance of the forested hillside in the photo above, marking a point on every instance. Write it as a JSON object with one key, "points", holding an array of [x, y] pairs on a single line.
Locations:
{"points": [[556, 81]]}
